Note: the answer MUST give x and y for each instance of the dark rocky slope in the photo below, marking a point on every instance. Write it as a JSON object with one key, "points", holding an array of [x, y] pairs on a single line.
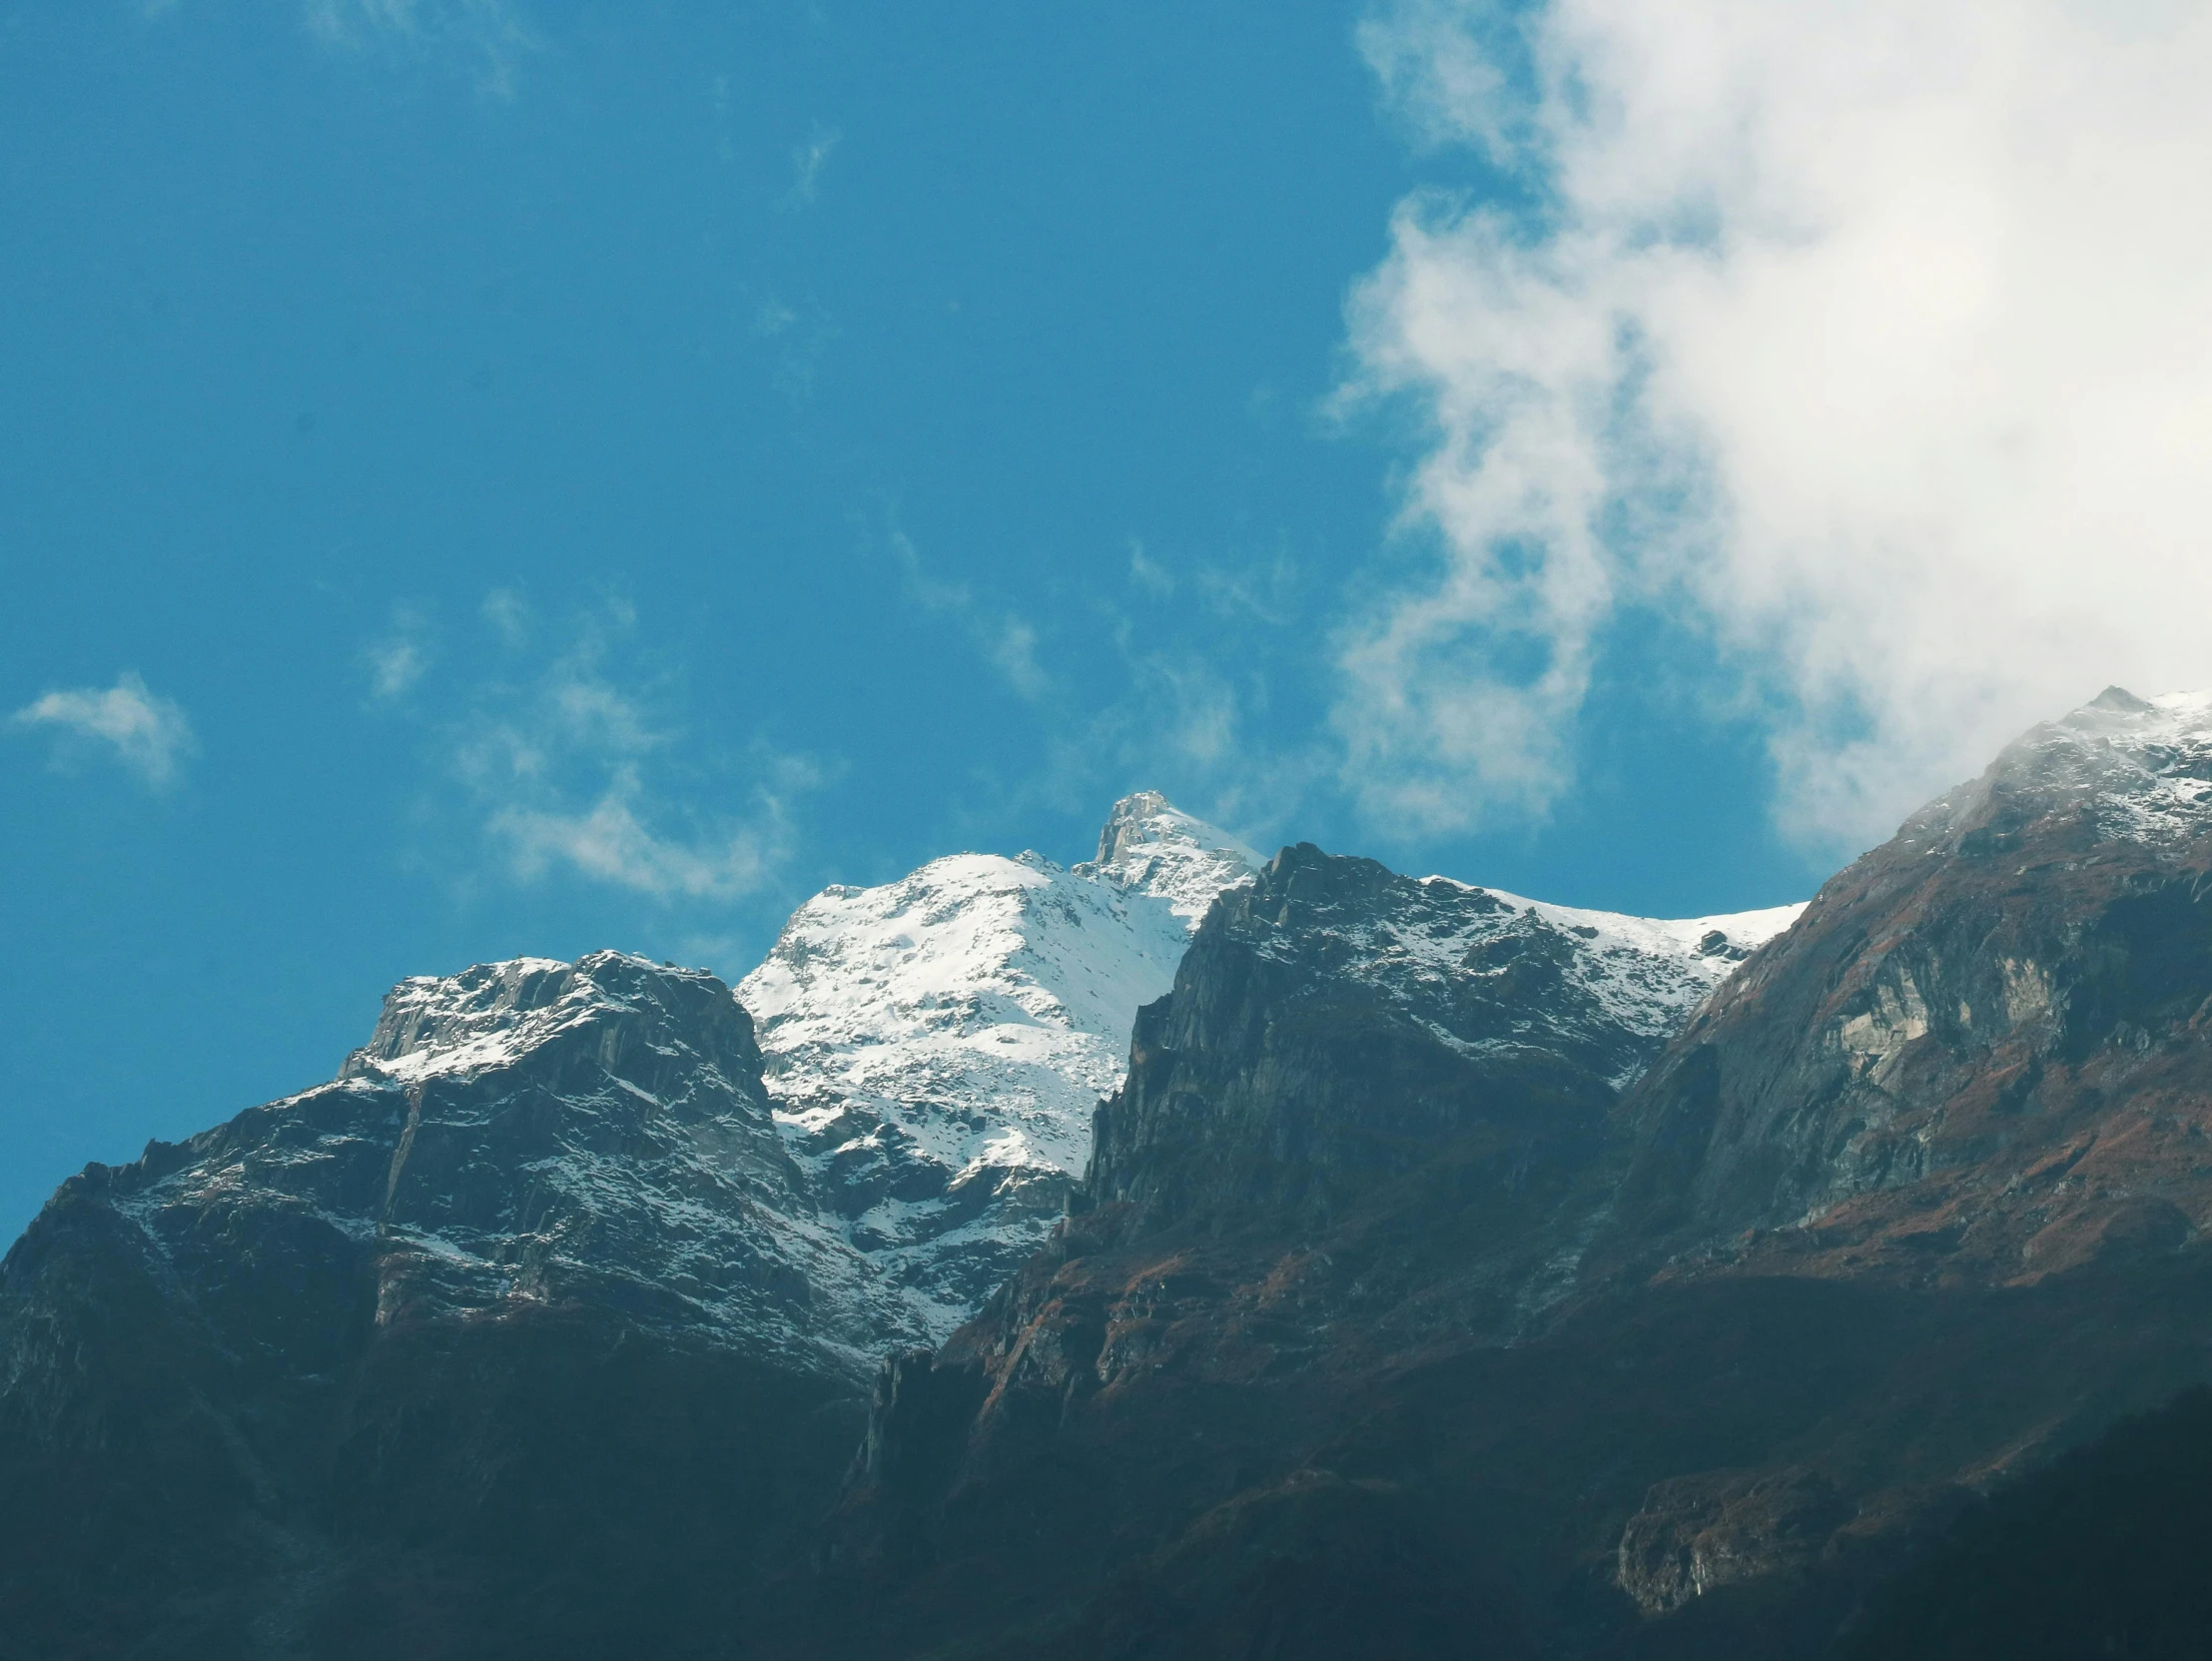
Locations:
{"points": [[2103, 1553], [1366, 1135], [1372, 1330], [505, 1342], [1450, 1277], [1983, 1061]]}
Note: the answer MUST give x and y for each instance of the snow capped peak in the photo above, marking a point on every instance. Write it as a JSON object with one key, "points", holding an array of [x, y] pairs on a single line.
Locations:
{"points": [[2121, 767], [1645, 975], [2147, 760], [1150, 847], [2119, 718], [494, 1014], [1147, 819], [936, 1045]]}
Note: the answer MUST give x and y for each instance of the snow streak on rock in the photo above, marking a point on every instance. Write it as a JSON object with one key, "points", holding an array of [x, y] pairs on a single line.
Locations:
{"points": [[1489, 973], [1649, 974], [936, 1046]]}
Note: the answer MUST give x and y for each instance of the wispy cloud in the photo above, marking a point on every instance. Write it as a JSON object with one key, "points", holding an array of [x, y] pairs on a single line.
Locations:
{"points": [[1865, 341], [146, 731], [797, 335], [1007, 640], [1204, 648], [615, 839], [579, 764], [1199, 728], [491, 36], [1148, 574], [398, 659], [807, 162], [507, 611]]}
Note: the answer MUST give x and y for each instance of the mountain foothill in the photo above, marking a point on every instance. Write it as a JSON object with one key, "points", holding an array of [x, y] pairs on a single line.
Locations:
{"points": [[1184, 1253]]}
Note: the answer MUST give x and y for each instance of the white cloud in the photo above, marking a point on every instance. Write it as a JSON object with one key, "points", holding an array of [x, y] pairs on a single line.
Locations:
{"points": [[398, 661], [1148, 574], [491, 34], [146, 731], [1869, 340], [1007, 640], [576, 766], [1011, 646], [508, 611], [611, 842], [393, 668], [807, 162]]}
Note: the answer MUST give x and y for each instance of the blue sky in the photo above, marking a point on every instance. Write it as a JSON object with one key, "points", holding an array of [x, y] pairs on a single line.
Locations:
{"points": [[487, 476]]}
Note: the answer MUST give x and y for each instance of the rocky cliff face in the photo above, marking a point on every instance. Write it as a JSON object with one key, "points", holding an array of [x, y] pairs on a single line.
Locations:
{"points": [[1389, 1284], [1984, 1058], [1980, 1073], [1336, 1024]]}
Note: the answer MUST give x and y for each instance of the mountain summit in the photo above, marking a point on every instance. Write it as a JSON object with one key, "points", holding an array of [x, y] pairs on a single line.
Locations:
{"points": [[546, 1325], [934, 1046], [2119, 770]]}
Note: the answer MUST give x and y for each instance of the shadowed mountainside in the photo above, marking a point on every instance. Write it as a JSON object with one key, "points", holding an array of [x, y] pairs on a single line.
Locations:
{"points": [[502, 1344], [1452, 1274], [1913, 1204], [2101, 1554]]}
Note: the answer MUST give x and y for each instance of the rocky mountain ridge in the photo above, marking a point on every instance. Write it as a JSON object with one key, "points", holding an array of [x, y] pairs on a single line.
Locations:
{"points": [[1504, 990], [1450, 1273], [1455, 1348], [541, 1309], [503, 1338], [596, 1130]]}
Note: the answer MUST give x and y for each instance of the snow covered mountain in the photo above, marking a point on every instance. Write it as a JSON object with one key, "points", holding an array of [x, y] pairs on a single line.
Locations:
{"points": [[550, 1323], [2124, 768], [1640, 978], [538, 1133], [936, 1046], [1715, 1255]]}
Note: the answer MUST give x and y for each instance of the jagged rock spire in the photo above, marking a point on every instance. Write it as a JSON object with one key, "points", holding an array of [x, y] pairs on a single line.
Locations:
{"points": [[1128, 824]]}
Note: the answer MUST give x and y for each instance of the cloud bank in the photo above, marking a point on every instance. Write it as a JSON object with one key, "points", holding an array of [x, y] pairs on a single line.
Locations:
{"points": [[1867, 342], [147, 732]]}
